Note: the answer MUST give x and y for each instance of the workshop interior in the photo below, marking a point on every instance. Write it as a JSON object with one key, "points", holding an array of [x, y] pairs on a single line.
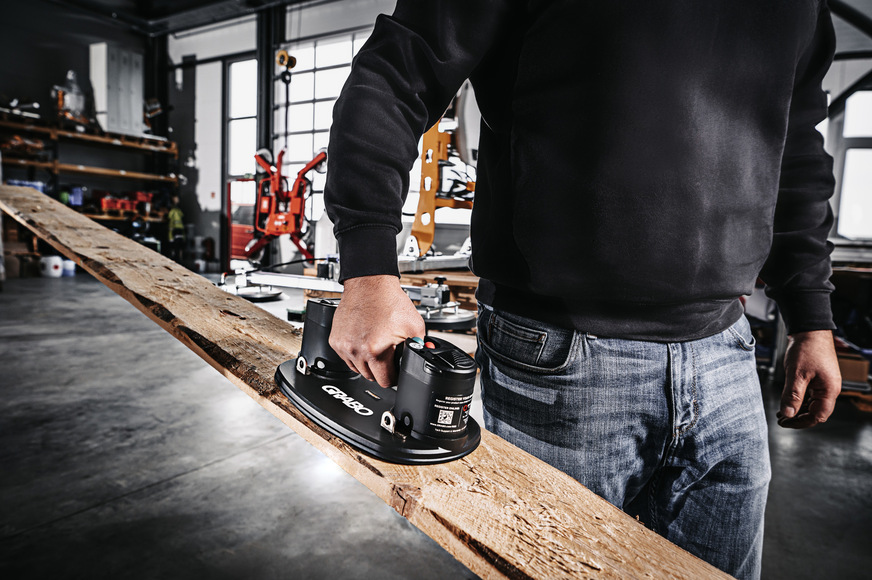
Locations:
{"points": [[200, 130]]}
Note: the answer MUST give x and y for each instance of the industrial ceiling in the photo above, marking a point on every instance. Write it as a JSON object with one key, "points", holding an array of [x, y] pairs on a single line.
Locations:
{"points": [[158, 17]]}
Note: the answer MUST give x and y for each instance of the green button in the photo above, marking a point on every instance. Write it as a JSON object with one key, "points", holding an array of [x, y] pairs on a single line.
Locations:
{"points": [[418, 339]]}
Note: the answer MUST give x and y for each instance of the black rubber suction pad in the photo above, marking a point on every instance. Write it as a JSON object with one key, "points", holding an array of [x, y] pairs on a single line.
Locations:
{"points": [[351, 408], [424, 420]]}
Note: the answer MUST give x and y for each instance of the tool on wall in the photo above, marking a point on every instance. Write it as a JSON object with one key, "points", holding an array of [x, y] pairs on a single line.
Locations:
{"points": [[72, 103], [151, 108], [424, 420], [20, 107]]}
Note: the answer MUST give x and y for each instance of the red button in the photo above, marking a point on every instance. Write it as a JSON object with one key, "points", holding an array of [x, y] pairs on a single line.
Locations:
{"points": [[429, 345]]}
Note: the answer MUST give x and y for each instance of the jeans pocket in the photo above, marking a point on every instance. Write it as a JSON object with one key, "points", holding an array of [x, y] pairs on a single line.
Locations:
{"points": [[741, 332], [525, 344]]}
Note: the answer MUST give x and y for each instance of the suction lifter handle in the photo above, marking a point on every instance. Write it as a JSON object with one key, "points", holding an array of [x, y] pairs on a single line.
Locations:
{"points": [[316, 353]]}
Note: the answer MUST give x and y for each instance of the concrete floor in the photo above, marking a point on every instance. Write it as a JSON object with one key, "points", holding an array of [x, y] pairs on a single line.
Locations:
{"points": [[123, 455]]}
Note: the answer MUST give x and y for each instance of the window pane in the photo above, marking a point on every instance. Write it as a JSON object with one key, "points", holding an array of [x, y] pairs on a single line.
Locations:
{"points": [[824, 126], [328, 83], [302, 87], [321, 140], [243, 88], [855, 206], [359, 39], [316, 207], [300, 117], [291, 169], [318, 180], [299, 147], [241, 146], [324, 114], [242, 193], [305, 55], [858, 115], [333, 52]]}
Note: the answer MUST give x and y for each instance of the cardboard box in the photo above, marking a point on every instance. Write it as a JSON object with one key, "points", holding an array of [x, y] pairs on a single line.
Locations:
{"points": [[12, 265], [854, 368], [10, 229]]}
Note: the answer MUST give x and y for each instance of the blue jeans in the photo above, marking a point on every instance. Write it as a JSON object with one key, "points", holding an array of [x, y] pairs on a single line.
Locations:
{"points": [[673, 433]]}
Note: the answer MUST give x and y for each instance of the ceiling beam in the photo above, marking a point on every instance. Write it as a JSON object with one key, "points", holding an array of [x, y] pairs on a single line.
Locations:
{"points": [[211, 13], [852, 16]]}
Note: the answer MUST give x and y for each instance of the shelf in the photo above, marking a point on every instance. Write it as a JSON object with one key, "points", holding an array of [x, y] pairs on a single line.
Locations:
{"points": [[55, 167], [102, 171], [114, 140], [50, 165], [29, 127], [128, 141], [145, 143], [118, 218]]}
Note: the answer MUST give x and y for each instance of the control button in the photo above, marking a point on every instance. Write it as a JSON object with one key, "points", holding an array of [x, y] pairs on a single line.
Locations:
{"points": [[465, 363], [418, 339], [416, 346], [429, 345], [446, 360]]}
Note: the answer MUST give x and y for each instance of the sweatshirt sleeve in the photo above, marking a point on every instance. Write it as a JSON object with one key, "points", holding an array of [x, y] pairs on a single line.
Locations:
{"points": [[798, 269], [401, 82]]}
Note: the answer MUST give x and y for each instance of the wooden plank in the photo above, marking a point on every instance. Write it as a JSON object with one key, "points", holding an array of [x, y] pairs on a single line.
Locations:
{"points": [[501, 512]]}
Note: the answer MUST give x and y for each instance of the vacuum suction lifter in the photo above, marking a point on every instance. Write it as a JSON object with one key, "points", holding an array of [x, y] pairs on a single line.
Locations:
{"points": [[424, 419]]}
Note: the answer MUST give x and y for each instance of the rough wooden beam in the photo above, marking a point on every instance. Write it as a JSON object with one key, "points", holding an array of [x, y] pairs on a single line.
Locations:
{"points": [[499, 511]]}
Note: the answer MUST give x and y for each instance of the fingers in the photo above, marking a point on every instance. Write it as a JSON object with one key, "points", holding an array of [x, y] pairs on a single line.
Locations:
{"points": [[818, 399], [383, 370], [813, 411], [373, 316], [813, 380], [378, 368], [792, 397]]}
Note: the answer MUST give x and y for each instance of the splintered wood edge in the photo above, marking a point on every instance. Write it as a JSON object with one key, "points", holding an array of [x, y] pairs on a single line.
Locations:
{"points": [[499, 511]]}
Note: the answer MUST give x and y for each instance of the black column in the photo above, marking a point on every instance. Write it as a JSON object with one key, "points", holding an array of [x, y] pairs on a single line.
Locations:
{"points": [[270, 34], [157, 80]]}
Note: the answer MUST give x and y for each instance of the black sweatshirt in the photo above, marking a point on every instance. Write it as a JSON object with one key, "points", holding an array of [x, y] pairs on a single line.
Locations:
{"points": [[641, 162]]}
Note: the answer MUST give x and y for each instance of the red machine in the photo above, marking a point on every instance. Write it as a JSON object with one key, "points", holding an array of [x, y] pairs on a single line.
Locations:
{"points": [[280, 210]]}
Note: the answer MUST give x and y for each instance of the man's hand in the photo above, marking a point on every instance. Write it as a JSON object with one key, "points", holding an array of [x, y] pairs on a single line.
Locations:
{"points": [[812, 382], [373, 317]]}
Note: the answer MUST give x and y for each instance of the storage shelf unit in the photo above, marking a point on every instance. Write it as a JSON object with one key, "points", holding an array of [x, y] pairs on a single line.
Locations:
{"points": [[112, 140]]}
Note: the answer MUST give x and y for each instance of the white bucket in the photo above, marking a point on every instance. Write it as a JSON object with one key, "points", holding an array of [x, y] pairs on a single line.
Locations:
{"points": [[69, 268], [51, 266]]}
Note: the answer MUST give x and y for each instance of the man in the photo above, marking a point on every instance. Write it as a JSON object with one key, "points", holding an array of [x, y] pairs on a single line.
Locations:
{"points": [[640, 164], [176, 230]]}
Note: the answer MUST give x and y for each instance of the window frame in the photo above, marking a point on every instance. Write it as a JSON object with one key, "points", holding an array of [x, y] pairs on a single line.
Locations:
{"points": [[291, 165], [227, 119], [838, 146]]}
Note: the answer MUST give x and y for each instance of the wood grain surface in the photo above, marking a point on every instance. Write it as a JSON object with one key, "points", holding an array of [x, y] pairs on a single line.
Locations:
{"points": [[500, 511]]}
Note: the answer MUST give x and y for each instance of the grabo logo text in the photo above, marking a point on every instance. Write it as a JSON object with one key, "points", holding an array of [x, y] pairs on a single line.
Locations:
{"points": [[347, 400]]}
